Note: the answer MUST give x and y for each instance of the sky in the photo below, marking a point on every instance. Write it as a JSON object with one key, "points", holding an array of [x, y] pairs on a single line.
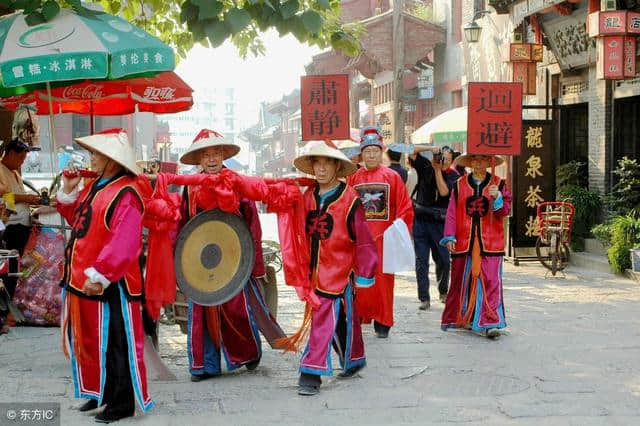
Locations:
{"points": [[256, 79]]}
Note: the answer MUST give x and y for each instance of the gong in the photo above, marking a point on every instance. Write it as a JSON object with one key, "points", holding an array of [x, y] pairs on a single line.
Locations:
{"points": [[214, 257]]}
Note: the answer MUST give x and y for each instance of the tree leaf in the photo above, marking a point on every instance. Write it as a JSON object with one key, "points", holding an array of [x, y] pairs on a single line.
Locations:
{"points": [[189, 12], [50, 10], [268, 3], [210, 10], [217, 32], [289, 8], [21, 4], [237, 19], [34, 18], [312, 21], [322, 4], [32, 6]]}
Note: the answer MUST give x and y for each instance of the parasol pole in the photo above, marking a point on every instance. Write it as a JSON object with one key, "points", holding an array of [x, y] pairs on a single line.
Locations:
{"points": [[52, 131], [91, 124], [493, 173]]}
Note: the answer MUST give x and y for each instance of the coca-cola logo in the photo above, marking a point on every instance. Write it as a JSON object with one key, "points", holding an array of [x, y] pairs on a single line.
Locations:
{"points": [[90, 91], [159, 93]]}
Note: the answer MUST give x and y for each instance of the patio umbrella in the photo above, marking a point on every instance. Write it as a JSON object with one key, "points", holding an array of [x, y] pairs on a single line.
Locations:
{"points": [[163, 94], [448, 128], [75, 47]]}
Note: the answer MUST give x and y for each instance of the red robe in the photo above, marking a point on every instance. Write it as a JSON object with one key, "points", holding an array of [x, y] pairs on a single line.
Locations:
{"points": [[385, 199]]}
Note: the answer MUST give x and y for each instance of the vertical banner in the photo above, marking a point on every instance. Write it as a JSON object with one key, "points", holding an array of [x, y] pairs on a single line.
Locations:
{"points": [[494, 121], [629, 57], [613, 55], [533, 180], [324, 105]]}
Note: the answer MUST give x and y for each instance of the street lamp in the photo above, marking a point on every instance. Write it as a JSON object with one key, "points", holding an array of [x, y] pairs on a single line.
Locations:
{"points": [[472, 32]]}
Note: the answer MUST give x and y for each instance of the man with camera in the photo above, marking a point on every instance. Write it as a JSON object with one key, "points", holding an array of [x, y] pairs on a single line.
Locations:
{"points": [[430, 200]]}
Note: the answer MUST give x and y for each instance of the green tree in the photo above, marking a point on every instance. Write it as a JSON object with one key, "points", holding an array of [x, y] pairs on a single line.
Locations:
{"points": [[181, 24]]}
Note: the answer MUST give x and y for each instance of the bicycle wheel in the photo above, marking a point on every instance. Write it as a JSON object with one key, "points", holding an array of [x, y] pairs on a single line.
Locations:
{"points": [[277, 262], [554, 244], [544, 259], [563, 256]]}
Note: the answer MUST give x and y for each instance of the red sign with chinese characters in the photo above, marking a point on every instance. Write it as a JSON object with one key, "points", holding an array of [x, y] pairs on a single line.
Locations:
{"points": [[324, 105], [494, 120], [525, 73], [613, 56], [633, 22], [613, 22], [629, 57]]}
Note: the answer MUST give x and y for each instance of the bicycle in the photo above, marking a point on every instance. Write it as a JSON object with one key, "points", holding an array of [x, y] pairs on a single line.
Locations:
{"points": [[554, 223]]}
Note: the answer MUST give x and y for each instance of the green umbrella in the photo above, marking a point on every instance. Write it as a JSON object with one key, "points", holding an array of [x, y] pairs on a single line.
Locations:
{"points": [[75, 47]]}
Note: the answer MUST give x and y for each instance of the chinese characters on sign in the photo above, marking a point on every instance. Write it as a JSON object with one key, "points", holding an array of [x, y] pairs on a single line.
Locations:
{"points": [[494, 121], [533, 178], [324, 103]]}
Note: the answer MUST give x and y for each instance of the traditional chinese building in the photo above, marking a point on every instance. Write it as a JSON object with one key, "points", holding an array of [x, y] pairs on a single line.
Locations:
{"points": [[398, 45], [594, 116], [274, 138]]}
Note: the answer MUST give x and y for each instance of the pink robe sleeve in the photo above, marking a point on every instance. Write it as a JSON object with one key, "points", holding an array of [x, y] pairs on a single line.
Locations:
{"points": [[124, 245], [507, 198], [366, 253], [450, 221], [250, 214]]}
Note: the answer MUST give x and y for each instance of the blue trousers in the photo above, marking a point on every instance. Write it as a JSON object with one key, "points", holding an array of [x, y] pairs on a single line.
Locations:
{"points": [[426, 240]]}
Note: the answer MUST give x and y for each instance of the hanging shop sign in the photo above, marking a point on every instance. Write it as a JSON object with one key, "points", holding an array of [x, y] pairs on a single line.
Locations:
{"points": [[324, 104], [494, 121], [533, 180], [616, 34]]}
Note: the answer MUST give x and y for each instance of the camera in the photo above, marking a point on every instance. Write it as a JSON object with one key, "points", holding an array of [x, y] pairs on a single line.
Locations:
{"points": [[44, 197], [437, 157]]}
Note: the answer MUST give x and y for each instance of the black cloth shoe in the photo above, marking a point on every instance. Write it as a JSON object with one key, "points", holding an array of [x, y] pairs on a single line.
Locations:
{"points": [[91, 404], [108, 416], [350, 372], [253, 364], [201, 377], [307, 390], [493, 333], [382, 331]]}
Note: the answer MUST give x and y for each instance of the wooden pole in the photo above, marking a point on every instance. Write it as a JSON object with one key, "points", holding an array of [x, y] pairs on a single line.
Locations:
{"points": [[398, 72]]}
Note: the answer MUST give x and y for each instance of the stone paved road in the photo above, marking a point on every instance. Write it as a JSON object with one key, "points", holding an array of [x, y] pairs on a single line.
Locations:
{"points": [[571, 356]]}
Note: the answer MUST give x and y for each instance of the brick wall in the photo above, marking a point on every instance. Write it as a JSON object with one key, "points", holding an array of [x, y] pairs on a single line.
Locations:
{"points": [[600, 109]]}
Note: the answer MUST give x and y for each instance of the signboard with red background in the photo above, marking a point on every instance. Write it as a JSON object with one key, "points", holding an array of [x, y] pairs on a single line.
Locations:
{"points": [[494, 121], [324, 101]]}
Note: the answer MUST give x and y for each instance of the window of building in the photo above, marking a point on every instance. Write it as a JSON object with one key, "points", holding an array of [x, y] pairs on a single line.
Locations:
{"points": [[478, 6], [228, 92], [228, 108], [228, 122]]}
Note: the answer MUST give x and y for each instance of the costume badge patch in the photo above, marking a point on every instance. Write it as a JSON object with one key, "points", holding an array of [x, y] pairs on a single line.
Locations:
{"points": [[375, 200], [477, 205], [319, 225]]}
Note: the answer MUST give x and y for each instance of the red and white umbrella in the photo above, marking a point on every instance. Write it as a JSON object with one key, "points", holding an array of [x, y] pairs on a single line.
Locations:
{"points": [[163, 94]]}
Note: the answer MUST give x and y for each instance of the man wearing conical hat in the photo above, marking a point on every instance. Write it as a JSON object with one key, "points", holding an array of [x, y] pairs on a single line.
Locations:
{"points": [[229, 328], [102, 322], [474, 234], [385, 199], [343, 256]]}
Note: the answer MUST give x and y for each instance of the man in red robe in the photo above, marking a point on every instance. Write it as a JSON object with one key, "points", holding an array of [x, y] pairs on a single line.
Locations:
{"points": [[385, 199], [102, 323], [230, 328]]}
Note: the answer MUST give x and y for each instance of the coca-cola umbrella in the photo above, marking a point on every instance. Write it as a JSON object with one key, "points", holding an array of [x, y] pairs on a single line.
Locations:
{"points": [[162, 94]]}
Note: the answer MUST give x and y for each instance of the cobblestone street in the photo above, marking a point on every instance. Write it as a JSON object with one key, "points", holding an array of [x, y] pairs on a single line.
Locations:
{"points": [[569, 356]]}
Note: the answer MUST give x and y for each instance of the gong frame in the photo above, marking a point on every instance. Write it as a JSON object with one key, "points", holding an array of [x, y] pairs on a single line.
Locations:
{"points": [[236, 283]]}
